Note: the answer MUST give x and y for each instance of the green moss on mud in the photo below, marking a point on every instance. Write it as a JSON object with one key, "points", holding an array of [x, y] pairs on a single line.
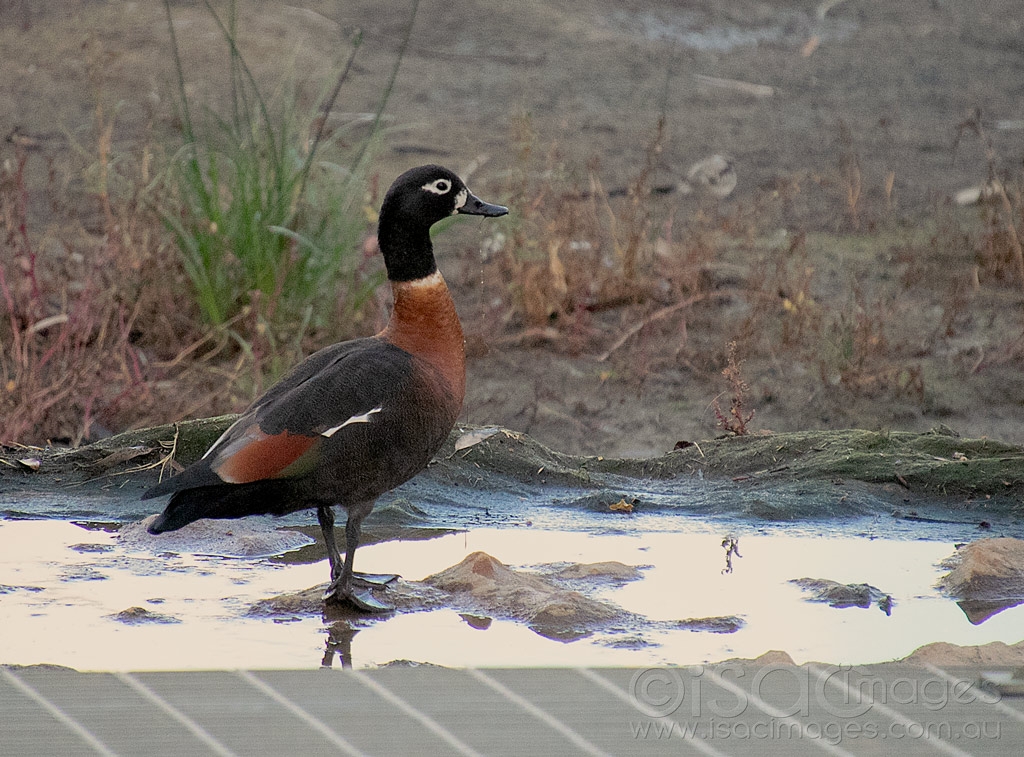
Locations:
{"points": [[937, 463], [933, 463]]}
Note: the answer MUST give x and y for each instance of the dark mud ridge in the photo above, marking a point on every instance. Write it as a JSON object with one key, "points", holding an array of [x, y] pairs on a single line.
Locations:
{"points": [[499, 477]]}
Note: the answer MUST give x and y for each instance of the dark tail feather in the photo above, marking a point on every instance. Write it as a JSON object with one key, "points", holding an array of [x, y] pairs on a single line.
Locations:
{"points": [[225, 501], [192, 477]]}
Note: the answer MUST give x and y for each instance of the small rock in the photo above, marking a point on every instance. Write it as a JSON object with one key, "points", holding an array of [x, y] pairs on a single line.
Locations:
{"points": [[720, 624], [8, 589], [771, 657], [714, 175], [622, 506], [631, 641], [609, 569], [307, 602], [774, 657], [409, 664], [81, 573], [89, 548], [138, 615], [844, 595]]}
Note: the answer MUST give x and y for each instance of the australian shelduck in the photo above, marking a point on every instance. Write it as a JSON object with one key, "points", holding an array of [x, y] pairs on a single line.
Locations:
{"points": [[355, 419]]}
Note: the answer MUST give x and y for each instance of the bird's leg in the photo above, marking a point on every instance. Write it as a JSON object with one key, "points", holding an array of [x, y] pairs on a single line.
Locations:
{"points": [[343, 587], [325, 514], [363, 579]]}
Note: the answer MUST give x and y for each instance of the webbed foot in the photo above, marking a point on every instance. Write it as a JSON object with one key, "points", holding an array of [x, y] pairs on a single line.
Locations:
{"points": [[374, 579], [358, 595]]}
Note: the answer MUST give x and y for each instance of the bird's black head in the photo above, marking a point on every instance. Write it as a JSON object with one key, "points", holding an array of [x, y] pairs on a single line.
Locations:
{"points": [[417, 200]]}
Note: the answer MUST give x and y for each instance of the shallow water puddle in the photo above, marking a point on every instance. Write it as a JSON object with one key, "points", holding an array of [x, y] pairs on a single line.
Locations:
{"points": [[61, 586]]}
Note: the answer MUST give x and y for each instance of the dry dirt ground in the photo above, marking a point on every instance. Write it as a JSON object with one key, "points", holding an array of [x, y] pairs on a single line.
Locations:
{"points": [[854, 144]]}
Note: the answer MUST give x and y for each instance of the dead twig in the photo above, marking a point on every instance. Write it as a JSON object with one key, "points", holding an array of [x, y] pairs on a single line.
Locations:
{"points": [[538, 334], [657, 315], [735, 85], [998, 188]]}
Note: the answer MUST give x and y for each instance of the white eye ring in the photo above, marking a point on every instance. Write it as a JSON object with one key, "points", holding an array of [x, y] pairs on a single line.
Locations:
{"points": [[439, 186]]}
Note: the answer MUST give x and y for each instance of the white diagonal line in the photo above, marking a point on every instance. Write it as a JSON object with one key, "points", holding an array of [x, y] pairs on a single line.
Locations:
{"points": [[995, 703], [364, 418], [66, 720], [306, 717], [812, 736], [864, 697], [197, 730], [611, 688], [425, 720], [537, 712]]}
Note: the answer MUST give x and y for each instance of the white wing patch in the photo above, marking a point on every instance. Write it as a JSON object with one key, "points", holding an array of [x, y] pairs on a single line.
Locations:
{"points": [[363, 418]]}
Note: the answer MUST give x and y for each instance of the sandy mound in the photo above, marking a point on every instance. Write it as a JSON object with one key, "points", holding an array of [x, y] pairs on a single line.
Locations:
{"points": [[481, 586], [987, 577], [548, 609], [987, 569], [944, 654]]}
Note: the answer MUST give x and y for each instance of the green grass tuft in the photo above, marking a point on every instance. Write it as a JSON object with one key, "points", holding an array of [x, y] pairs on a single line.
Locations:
{"points": [[267, 209]]}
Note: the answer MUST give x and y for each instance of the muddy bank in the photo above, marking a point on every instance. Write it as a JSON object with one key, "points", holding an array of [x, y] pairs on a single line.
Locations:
{"points": [[495, 476]]}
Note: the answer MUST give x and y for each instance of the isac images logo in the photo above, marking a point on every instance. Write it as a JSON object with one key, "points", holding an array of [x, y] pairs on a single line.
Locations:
{"points": [[781, 702]]}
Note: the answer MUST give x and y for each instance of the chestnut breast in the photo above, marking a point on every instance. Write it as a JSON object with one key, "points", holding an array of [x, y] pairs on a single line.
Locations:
{"points": [[425, 324]]}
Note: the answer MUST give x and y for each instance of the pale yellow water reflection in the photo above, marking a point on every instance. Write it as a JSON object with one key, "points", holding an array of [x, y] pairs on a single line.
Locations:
{"points": [[60, 585]]}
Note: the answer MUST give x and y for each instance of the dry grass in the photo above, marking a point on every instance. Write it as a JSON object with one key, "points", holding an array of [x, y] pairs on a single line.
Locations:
{"points": [[736, 418], [74, 304], [856, 352], [100, 332], [616, 274], [1005, 204], [579, 253], [97, 322]]}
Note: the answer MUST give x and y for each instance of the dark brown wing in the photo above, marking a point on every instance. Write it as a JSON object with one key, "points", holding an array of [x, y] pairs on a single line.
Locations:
{"points": [[281, 434]]}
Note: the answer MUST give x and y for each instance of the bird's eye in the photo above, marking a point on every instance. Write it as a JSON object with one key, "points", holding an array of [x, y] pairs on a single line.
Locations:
{"points": [[438, 186]]}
